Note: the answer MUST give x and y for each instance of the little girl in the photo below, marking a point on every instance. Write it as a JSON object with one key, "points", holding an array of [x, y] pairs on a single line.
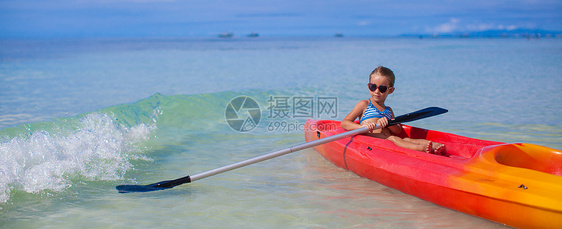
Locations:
{"points": [[373, 111]]}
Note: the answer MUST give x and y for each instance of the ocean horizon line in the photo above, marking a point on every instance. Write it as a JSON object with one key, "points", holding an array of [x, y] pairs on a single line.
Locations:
{"points": [[334, 36]]}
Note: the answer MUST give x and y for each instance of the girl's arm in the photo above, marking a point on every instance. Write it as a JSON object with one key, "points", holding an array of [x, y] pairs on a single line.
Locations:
{"points": [[348, 122], [395, 129]]}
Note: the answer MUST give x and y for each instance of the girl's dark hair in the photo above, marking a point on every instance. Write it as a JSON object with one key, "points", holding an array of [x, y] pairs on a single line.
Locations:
{"points": [[384, 71]]}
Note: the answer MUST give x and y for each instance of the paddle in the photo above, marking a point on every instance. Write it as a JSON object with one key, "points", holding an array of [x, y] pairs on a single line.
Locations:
{"points": [[424, 113]]}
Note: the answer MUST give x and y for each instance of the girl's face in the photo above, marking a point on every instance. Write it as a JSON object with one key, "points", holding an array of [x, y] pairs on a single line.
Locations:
{"points": [[378, 96]]}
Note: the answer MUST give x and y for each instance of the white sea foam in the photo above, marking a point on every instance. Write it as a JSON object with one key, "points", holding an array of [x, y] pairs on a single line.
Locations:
{"points": [[99, 149]]}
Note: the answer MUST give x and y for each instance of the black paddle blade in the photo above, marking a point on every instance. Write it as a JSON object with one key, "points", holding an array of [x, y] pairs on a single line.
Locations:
{"points": [[423, 113], [153, 187], [137, 188]]}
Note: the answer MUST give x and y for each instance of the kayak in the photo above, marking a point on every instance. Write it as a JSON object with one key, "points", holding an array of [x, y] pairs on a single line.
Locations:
{"points": [[517, 184]]}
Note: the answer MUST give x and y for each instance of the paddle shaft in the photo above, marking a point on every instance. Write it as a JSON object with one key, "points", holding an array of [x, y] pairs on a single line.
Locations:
{"points": [[278, 153], [424, 113]]}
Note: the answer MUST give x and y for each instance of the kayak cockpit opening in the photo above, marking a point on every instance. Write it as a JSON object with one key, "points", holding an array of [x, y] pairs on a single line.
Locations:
{"points": [[529, 156]]}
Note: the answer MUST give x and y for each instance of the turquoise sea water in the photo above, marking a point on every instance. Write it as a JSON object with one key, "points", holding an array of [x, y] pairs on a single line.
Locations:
{"points": [[78, 117]]}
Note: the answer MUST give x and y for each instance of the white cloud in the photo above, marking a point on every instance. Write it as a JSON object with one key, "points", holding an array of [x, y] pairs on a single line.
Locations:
{"points": [[455, 25], [451, 26], [490, 26]]}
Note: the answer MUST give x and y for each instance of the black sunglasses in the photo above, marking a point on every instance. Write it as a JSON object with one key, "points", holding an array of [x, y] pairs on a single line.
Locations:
{"points": [[373, 87]]}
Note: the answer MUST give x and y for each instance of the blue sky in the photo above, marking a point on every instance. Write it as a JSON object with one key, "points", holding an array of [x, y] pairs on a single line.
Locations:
{"points": [[200, 18]]}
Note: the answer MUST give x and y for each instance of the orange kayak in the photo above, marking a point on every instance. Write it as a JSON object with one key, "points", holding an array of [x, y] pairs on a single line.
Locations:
{"points": [[519, 184]]}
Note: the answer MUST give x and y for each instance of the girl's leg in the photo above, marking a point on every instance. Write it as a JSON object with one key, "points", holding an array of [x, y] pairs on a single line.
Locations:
{"points": [[417, 141], [407, 144]]}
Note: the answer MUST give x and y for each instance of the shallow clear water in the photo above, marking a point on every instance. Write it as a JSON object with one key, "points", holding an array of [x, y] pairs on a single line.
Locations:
{"points": [[78, 118]]}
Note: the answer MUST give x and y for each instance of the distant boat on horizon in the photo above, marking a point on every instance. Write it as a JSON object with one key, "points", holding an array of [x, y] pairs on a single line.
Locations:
{"points": [[253, 35], [226, 35], [338, 35]]}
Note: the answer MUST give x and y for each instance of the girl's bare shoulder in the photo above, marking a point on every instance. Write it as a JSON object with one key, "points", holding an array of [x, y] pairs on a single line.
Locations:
{"points": [[363, 103], [360, 107]]}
